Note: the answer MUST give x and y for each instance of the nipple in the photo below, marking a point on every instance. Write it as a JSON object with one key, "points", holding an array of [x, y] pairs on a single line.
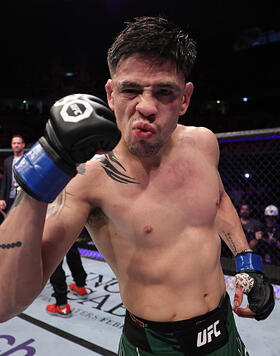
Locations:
{"points": [[148, 229]]}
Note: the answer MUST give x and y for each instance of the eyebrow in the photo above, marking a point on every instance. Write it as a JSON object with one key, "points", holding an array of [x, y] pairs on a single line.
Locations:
{"points": [[127, 83], [130, 84]]}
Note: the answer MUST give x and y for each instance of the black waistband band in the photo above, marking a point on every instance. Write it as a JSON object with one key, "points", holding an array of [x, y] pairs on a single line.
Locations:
{"points": [[178, 325]]}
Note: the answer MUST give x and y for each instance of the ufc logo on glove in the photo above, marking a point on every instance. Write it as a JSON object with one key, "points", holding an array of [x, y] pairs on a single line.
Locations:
{"points": [[74, 108], [79, 126]]}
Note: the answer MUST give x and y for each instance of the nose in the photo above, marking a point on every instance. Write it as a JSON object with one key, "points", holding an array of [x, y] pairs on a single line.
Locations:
{"points": [[147, 106]]}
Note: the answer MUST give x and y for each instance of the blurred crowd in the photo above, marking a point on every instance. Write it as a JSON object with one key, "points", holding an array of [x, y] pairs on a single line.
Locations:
{"points": [[263, 234]]}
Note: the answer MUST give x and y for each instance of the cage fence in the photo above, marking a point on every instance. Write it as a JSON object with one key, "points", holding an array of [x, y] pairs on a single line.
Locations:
{"points": [[250, 170]]}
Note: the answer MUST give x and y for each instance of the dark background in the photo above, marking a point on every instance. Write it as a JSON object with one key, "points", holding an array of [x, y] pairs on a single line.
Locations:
{"points": [[43, 40]]}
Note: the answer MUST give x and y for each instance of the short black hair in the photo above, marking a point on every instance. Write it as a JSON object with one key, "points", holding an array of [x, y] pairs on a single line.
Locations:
{"points": [[155, 36], [18, 135]]}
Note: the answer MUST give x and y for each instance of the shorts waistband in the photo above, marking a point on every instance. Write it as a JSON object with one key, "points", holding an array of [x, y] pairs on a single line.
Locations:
{"points": [[170, 326]]}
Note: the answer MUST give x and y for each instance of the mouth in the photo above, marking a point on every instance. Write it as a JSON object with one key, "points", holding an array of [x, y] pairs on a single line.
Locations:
{"points": [[143, 130]]}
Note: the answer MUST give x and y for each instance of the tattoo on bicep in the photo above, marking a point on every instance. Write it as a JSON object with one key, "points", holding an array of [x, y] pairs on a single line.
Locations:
{"points": [[55, 207], [227, 236], [113, 168]]}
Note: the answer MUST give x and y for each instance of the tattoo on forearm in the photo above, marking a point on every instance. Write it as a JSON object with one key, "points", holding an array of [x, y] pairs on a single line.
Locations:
{"points": [[11, 245], [227, 236], [109, 163], [21, 193], [56, 207]]}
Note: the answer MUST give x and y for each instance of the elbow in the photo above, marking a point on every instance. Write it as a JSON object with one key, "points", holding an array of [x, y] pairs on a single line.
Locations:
{"points": [[5, 316], [10, 310]]}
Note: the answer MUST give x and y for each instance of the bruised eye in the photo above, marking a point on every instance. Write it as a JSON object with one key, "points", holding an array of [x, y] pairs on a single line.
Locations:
{"points": [[164, 92], [166, 95]]}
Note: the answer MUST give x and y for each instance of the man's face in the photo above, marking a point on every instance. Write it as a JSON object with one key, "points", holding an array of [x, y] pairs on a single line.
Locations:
{"points": [[147, 98], [271, 221], [17, 145], [244, 211]]}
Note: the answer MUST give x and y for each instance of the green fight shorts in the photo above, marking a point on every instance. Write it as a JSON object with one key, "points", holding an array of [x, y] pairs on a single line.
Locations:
{"points": [[212, 334]]}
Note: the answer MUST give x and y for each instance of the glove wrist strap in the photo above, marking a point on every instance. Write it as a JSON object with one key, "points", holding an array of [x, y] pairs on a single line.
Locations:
{"points": [[37, 172], [248, 262]]}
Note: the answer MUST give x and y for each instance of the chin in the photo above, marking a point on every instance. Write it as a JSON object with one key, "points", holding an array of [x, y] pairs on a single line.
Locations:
{"points": [[145, 150]]}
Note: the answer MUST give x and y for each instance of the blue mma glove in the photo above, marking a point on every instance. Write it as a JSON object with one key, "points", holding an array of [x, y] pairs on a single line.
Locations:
{"points": [[250, 277], [79, 126]]}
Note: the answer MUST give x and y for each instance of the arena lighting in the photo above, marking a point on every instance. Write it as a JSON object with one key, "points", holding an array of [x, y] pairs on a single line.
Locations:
{"points": [[245, 99], [247, 175], [218, 102]]}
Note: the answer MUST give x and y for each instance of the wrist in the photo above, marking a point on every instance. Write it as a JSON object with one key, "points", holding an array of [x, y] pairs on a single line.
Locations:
{"points": [[247, 260], [39, 176], [242, 252]]}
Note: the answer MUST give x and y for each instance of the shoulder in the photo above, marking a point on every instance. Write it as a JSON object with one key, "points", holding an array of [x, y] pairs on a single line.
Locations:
{"points": [[87, 182], [90, 171], [8, 163], [197, 132], [203, 138]]}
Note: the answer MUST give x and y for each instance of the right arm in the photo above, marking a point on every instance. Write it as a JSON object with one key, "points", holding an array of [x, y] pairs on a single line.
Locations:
{"points": [[31, 246], [34, 239], [20, 255]]}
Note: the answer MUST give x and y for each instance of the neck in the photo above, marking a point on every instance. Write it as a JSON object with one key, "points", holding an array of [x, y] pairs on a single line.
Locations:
{"points": [[148, 163], [18, 154]]}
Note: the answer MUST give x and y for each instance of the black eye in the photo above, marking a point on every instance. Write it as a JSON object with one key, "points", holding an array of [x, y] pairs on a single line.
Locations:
{"points": [[164, 91]]}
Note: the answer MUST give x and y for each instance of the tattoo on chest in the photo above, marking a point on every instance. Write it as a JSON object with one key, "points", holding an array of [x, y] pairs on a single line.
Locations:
{"points": [[114, 169]]}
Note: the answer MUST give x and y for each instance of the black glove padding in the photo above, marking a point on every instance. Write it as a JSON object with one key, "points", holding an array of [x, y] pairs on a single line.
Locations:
{"points": [[259, 292], [78, 127]]}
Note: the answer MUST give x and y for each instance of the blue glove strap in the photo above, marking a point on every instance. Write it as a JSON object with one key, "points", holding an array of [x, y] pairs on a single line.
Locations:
{"points": [[248, 261], [40, 174]]}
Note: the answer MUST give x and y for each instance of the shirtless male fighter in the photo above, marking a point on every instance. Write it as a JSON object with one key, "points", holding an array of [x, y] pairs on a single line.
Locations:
{"points": [[154, 204]]}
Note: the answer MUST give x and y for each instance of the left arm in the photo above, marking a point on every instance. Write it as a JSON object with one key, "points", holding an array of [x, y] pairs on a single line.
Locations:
{"points": [[228, 224], [250, 278], [227, 221]]}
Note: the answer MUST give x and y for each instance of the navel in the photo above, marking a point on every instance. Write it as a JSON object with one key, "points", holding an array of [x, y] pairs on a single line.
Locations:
{"points": [[148, 229]]}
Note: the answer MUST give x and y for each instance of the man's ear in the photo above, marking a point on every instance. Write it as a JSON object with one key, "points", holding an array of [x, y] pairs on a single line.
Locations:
{"points": [[186, 98], [109, 92]]}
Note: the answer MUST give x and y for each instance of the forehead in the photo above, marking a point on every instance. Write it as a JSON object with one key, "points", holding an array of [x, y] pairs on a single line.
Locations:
{"points": [[17, 140], [142, 68]]}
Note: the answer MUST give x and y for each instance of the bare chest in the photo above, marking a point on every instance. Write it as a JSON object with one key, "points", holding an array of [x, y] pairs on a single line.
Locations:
{"points": [[174, 197]]}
